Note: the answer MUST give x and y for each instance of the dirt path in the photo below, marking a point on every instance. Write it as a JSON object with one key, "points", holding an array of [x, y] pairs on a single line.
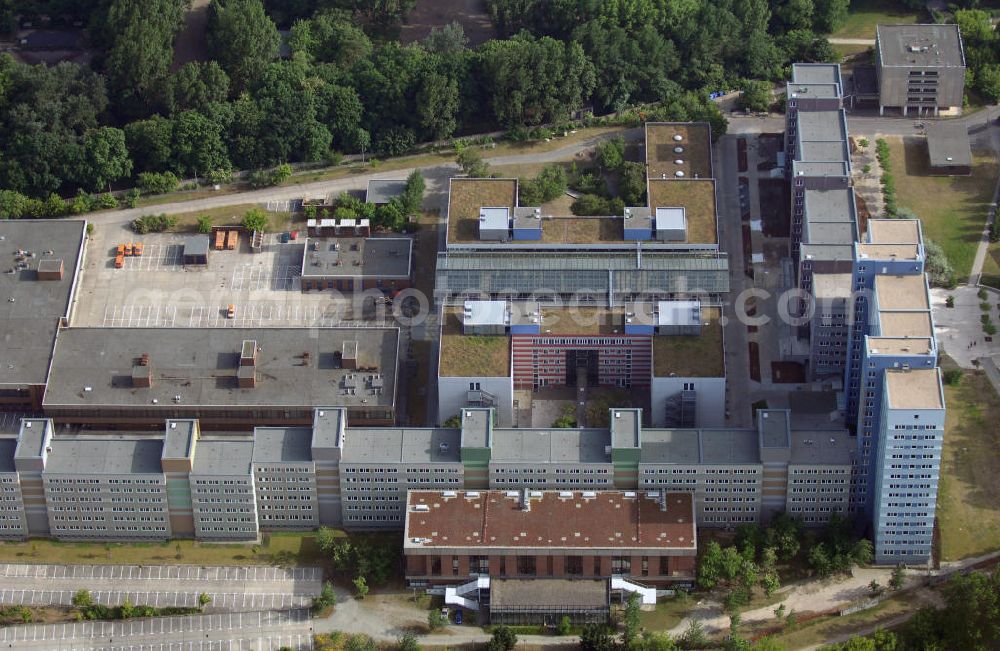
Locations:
{"points": [[428, 14], [190, 42]]}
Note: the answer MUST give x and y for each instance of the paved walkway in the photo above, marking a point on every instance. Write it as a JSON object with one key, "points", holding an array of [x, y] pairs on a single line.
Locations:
{"points": [[851, 41], [984, 238], [959, 329]]}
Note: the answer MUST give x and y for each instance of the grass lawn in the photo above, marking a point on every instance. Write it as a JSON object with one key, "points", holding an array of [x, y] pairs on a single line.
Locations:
{"points": [[666, 614], [277, 549], [952, 209], [969, 489], [991, 266], [845, 51], [224, 215], [866, 14]]}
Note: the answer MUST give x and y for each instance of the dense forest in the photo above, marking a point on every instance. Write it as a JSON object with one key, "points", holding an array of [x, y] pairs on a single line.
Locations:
{"points": [[339, 81]]}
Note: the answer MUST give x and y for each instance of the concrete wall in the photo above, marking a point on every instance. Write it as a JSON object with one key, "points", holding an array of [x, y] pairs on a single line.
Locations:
{"points": [[711, 392], [453, 396]]}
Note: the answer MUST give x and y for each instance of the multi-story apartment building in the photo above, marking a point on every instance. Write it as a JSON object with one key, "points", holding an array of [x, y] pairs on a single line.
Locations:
{"points": [[284, 476], [920, 67], [229, 486], [908, 465], [222, 490]]}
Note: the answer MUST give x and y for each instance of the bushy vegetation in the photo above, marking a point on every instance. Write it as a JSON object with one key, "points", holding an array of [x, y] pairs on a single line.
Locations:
{"points": [[970, 619], [888, 181], [350, 87], [936, 264], [370, 561], [550, 183], [86, 609], [152, 224], [982, 52]]}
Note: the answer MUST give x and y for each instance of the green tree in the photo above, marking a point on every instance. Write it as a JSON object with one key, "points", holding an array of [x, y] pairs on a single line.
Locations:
{"points": [[150, 143], [197, 144], [255, 219], [938, 267], [630, 621], [446, 40], [196, 85], [243, 39], [437, 103], [756, 95], [204, 600], [105, 158], [360, 587], [471, 162], [153, 183], [82, 599], [331, 37], [632, 183], [504, 639], [829, 15], [531, 81], [610, 154], [987, 80], [565, 625], [140, 34]]}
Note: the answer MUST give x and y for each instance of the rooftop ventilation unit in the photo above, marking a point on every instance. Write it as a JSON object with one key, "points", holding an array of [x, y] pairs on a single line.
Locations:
{"points": [[679, 161], [678, 137], [421, 508], [678, 150], [679, 174]]}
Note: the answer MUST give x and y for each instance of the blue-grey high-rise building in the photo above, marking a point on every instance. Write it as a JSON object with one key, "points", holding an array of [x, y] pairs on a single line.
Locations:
{"points": [[891, 347]]}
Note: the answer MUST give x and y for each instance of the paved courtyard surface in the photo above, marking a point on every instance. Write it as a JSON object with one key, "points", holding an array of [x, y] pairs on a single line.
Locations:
{"points": [[958, 327]]}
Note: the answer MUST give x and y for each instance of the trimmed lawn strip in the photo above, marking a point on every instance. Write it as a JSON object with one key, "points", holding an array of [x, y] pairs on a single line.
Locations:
{"points": [[969, 488]]}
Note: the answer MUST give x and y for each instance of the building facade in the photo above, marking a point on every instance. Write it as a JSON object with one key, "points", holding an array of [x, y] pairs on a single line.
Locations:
{"points": [[920, 68]]}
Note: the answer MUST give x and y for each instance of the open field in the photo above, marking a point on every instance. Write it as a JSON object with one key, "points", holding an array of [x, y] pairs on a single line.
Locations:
{"points": [[277, 549], [866, 14], [969, 490], [951, 209]]}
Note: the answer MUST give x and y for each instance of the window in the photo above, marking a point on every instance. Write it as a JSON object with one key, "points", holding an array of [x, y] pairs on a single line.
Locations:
{"points": [[475, 386], [574, 565]]}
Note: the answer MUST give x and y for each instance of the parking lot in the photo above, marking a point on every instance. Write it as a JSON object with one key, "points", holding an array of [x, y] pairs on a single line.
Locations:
{"points": [[57, 635], [227, 601], [157, 290], [299, 641], [230, 588], [191, 573]]}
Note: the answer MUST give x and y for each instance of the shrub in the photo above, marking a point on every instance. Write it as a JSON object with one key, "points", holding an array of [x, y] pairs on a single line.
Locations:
{"points": [[327, 599], [131, 198], [360, 587], [863, 143], [952, 376], [157, 182], [950, 301], [435, 620], [867, 168], [590, 204], [105, 201], [548, 185], [218, 177], [937, 265], [255, 219], [204, 224], [565, 626], [982, 294], [590, 183], [152, 224]]}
